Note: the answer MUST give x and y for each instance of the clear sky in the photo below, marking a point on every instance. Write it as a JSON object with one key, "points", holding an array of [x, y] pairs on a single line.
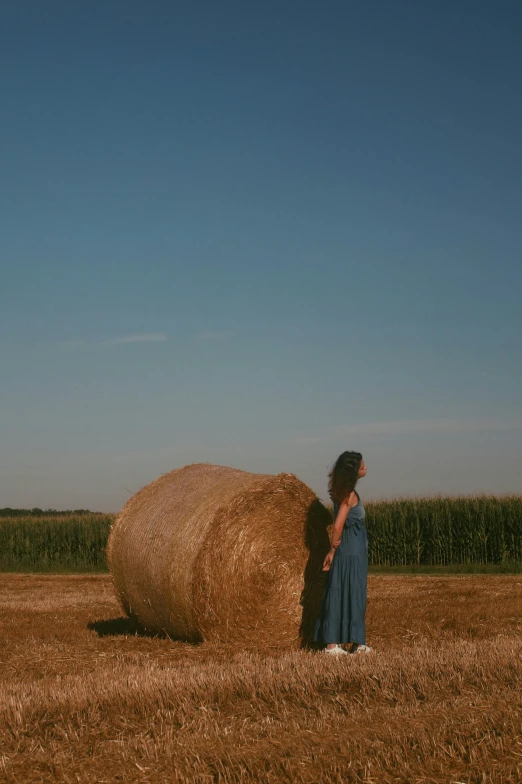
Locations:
{"points": [[259, 234]]}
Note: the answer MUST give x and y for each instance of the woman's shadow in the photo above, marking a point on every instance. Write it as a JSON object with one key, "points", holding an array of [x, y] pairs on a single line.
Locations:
{"points": [[317, 542]]}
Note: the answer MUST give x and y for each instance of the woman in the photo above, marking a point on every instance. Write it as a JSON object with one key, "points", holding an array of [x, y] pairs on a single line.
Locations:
{"points": [[343, 606]]}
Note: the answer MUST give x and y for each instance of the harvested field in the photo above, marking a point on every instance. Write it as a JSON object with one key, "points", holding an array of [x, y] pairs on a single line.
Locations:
{"points": [[82, 699]]}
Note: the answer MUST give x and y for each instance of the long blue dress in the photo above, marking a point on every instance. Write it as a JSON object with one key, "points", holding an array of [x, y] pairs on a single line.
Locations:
{"points": [[343, 606]]}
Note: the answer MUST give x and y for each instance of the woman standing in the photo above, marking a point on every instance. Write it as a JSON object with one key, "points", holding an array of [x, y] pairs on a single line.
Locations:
{"points": [[343, 606]]}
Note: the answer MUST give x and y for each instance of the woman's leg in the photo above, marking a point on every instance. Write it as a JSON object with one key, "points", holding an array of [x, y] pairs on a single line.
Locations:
{"points": [[327, 626]]}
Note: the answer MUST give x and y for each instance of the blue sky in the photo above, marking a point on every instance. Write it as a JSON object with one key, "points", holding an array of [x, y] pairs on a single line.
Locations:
{"points": [[257, 235]]}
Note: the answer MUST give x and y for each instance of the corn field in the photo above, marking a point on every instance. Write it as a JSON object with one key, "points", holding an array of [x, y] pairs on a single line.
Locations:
{"points": [[405, 532], [444, 531], [43, 542]]}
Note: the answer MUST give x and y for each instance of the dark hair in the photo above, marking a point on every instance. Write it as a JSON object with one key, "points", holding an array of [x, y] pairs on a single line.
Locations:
{"points": [[343, 476]]}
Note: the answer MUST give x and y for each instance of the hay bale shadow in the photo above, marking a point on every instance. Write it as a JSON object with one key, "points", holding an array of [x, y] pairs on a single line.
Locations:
{"points": [[112, 627], [317, 542]]}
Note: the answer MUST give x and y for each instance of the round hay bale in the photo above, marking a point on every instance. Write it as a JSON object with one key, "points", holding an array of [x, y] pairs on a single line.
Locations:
{"points": [[209, 552]]}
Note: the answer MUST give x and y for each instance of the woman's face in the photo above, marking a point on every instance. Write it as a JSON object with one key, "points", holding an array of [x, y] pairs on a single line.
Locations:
{"points": [[362, 470]]}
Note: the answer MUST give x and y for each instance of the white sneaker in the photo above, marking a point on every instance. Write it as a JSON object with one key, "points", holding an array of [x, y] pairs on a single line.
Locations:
{"points": [[335, 651], [361, 649]]}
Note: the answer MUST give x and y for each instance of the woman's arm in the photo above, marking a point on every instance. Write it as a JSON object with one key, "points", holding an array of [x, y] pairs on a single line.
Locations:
{"points": [[338, 526], [337, 533]]}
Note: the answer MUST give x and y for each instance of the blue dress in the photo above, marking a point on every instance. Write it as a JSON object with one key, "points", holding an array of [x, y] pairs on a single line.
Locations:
{"points": [[343, 606]]}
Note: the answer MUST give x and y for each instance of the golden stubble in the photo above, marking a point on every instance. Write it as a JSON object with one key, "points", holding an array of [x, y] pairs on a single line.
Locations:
{"points": [[84, 699]]}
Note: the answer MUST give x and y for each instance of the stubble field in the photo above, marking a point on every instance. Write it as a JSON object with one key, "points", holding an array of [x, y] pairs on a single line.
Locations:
{"points": [[84, 699]]}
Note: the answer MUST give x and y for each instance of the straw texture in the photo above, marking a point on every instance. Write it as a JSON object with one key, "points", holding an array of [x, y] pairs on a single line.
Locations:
{"points": [[209, 552]]}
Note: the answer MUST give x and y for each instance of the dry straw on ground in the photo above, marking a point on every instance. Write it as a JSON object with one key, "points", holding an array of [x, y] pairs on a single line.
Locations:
{"points": [[213, 553], [85, 700]]}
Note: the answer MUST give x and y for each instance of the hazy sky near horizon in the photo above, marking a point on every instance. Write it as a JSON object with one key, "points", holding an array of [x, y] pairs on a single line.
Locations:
{"points": [[257, 235]]}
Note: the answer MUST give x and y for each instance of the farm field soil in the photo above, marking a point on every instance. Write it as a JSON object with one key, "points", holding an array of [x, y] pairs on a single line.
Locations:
{"points": [[84, 699]]}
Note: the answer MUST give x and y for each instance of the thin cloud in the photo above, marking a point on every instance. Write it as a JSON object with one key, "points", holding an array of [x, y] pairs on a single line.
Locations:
{"points": [[148, 337], [151, 337], [407, 426]]}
